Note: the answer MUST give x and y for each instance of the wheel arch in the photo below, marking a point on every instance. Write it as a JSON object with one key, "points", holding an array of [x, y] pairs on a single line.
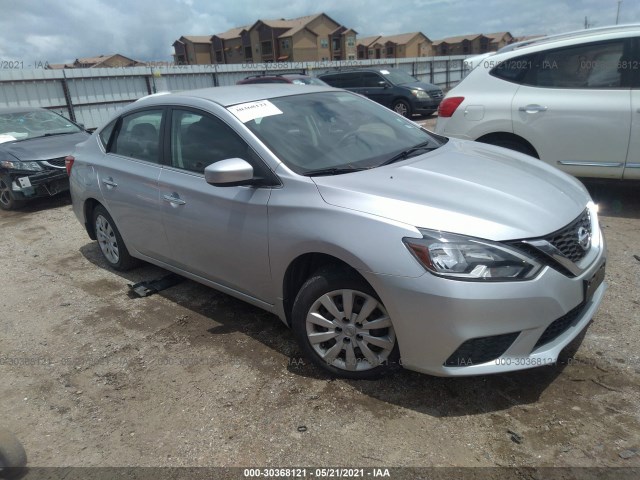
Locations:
{"points": [[495, 137], [300, 270], [403, 99], [89, 206]]}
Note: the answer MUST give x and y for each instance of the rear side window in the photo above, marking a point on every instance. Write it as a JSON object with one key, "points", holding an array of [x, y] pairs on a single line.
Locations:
{"points": [[593, 66], [138, 136], [344, 80], [333, 80], [352, 80]]}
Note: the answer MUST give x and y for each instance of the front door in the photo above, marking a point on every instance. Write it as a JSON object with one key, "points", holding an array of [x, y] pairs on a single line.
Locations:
{"points": [[217, 233]]}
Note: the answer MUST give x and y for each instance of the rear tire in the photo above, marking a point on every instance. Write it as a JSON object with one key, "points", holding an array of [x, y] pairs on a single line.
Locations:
{"points": [[343, 327], [110, 241]]}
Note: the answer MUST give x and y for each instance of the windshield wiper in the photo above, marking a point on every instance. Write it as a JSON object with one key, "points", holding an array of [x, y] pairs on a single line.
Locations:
{"points": [[408, 152], [332, 171], [57, 133]]}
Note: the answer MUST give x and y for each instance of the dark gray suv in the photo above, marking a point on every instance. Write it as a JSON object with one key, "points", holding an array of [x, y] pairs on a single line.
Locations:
{"points": [[392, 88]]}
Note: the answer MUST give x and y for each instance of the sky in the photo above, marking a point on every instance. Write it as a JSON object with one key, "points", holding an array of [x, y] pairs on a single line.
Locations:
{"points": [[59, 31]]}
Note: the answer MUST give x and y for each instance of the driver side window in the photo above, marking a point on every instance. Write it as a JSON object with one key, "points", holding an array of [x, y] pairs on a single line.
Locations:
{"points": [[198, 140]]}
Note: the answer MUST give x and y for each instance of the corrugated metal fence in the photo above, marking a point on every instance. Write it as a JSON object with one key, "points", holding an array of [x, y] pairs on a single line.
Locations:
{"points": [[91, 96]]}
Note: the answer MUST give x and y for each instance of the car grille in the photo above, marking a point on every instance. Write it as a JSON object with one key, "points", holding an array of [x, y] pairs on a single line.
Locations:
{"points": [[481, 350], [54, 162], [566, 240], [559, 326], [436, 93]]}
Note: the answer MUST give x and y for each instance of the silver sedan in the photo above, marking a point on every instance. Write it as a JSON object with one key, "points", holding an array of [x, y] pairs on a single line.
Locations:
{"points": [[379, 243]]}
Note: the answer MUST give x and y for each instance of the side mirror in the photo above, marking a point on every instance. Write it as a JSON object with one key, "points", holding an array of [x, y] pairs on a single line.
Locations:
{"points": [[383, 84], [229, 173]]}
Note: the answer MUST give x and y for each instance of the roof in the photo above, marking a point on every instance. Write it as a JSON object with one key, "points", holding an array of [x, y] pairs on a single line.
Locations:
{"points": [[399, 39], [97, 61], [293, 31], [497, 35], [293, 25], [366, 41], [232, 33], [571, 38], [458, 39], [227, 96], [197, 38]]}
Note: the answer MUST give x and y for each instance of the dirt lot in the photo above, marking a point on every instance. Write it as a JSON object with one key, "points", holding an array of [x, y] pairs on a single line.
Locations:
{"points": [[192, 377]]}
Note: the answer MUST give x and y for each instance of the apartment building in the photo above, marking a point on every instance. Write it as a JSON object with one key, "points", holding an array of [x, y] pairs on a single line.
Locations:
{"points": [[472, 44], [310, 38], [404, 45]]}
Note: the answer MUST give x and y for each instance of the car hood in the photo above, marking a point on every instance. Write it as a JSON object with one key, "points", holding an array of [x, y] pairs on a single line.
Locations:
{"points": [[44, 148], [464, 187]]}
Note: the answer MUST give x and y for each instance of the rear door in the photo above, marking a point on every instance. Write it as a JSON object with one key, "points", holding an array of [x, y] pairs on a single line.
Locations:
{"points": [[632, 167], [217, 233], [128, 181], [574, 107]]}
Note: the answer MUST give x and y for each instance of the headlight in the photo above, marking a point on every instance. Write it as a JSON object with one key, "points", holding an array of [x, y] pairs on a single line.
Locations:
{"points": [[420, 94], [467, 258], [17, 165]]}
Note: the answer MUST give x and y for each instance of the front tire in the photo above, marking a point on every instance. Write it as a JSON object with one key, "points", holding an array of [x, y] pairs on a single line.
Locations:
{"points": [[7, 200], [12, 454], [343, 327], [110, 241], [403, 108]]}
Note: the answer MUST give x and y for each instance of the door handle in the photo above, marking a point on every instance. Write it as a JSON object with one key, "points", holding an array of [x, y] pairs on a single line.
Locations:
{"points": [[173, 199], [533, 108], [109, 183]]}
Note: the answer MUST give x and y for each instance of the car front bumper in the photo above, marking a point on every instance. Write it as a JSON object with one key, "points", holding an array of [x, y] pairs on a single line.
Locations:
{"points": [[425, 106], [38, 184], [442, 325]]}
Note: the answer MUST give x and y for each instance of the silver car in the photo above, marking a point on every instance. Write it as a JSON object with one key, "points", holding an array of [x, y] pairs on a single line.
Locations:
{"points": [[379, 243]]}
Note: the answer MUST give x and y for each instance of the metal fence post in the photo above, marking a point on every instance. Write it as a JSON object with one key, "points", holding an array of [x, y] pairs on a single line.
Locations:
{"points": [[67, 97], [448, 62]]}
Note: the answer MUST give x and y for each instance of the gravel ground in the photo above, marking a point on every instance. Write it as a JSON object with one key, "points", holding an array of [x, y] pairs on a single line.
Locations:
{"points": [[193, 377]]}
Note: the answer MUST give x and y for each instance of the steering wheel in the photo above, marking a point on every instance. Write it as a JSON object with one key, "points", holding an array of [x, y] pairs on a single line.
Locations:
{"points": [[352, 137], [349, 137]]}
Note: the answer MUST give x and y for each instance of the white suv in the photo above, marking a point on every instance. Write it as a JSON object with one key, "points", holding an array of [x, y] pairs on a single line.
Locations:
{"points": [[572, 100]]}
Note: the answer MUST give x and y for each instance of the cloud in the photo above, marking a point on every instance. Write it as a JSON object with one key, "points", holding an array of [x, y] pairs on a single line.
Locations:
{"points": [[56, 31]]}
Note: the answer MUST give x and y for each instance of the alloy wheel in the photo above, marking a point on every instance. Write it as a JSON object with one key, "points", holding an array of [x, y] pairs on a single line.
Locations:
{"points": [[350, 330], [107, 239]]}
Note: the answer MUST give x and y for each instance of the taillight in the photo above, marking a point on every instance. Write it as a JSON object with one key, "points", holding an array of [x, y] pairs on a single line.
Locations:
{"points": [[449, 105], [68, 163]]}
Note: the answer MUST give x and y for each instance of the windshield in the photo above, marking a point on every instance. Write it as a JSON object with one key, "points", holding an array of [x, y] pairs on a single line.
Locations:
{"points": [[398, 77], [332, 130], [33, 123], [309, 81]]}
